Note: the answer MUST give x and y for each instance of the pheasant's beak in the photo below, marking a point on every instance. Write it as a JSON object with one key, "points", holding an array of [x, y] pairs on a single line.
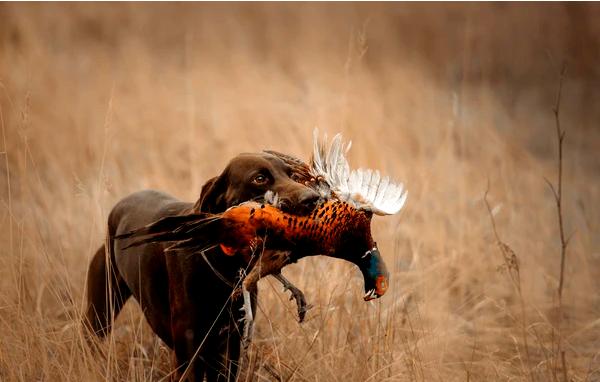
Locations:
{"points": [[375, 274]]}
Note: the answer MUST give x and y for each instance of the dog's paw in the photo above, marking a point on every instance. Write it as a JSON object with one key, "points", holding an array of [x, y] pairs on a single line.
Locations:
{"points": [[248, 319], [248, 331]]}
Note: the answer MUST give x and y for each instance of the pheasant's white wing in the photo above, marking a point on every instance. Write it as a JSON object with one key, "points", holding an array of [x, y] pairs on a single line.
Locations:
{"points": [[365, 189], [317, 161], [373, 185], [369, 192], [331, 164], [381, 190], [389, 199]]}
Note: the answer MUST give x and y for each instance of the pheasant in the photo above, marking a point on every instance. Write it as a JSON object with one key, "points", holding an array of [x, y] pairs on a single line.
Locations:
{"points": [[340, 226]]}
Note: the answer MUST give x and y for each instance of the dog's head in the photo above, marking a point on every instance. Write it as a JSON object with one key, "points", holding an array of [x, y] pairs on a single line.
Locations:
{"points": [[250, 177]]}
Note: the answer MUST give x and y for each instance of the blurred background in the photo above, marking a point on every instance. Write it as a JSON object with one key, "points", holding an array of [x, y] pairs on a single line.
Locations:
{"points": [[100, 100]]}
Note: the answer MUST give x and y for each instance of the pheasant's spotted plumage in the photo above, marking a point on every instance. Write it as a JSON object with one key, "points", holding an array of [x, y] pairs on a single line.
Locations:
{"points": [[334, 228], [322, 231]]}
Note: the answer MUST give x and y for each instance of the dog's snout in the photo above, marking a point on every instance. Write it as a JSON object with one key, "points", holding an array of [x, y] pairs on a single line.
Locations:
{"points": [[309, 199], [301, 203]]}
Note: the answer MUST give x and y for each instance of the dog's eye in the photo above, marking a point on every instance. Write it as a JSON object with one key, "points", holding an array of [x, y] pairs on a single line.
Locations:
{"points": [[260, 179]]}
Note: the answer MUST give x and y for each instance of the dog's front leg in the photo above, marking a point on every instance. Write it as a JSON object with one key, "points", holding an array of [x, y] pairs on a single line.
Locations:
{"points": [[270, 262], [189, 326], [249, 286]]}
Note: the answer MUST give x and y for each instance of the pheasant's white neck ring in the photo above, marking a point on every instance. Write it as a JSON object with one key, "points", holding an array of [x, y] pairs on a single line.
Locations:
{"points": [[369, 252]]}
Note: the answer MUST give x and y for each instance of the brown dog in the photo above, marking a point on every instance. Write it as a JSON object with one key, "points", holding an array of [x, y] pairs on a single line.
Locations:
{"points": [[186, 299]]}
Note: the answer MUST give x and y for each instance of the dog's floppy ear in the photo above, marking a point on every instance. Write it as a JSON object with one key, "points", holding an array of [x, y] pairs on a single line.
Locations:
{"points": [[212, 196]]}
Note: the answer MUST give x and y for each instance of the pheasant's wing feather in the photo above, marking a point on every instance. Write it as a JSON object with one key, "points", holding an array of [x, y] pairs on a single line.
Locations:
{"points": [[381, 190], [389, 199], [365, 189], [317, 159], [331, 164]]}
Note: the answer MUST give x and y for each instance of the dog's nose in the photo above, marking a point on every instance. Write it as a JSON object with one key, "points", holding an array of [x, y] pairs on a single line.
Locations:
{"points": [[309, 199]]}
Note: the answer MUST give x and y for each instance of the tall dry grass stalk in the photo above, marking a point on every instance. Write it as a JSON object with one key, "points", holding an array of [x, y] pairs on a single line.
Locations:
{"points": [[564, 242], [99, 100]]}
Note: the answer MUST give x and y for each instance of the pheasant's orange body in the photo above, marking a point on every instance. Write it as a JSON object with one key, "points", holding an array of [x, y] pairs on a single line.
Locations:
{"points": [[324, 230], [334, 228]]}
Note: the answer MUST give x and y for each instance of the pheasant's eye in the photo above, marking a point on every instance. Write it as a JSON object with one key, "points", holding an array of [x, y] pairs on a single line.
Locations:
{"points": [[260, 180]]}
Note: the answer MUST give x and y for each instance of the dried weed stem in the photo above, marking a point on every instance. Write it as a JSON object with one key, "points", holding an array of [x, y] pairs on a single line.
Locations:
{"points": [[511, 262], [564, 242]]}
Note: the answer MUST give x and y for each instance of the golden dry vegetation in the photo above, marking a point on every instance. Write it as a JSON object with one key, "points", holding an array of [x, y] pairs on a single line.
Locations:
{"points": [[100, 100]]}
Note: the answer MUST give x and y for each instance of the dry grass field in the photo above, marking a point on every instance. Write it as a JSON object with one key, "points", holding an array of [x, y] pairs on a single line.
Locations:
{"points": [[100, 100]]}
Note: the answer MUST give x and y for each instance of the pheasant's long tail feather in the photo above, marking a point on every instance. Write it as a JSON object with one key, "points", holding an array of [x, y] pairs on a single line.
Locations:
{"points": [[173, 228], [162, 225], [191, 245]]}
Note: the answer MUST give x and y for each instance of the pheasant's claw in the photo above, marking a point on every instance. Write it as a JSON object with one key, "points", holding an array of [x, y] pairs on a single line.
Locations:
{"points": [[303, 310], [303, 306], [297, 294]]}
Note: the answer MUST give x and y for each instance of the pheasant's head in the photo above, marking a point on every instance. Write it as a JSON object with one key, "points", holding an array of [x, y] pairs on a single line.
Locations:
{"points": [[358, 247]]}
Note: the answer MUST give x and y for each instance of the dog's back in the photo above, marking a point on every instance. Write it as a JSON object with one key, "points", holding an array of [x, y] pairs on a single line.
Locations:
{"points": [[141, 272]]}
